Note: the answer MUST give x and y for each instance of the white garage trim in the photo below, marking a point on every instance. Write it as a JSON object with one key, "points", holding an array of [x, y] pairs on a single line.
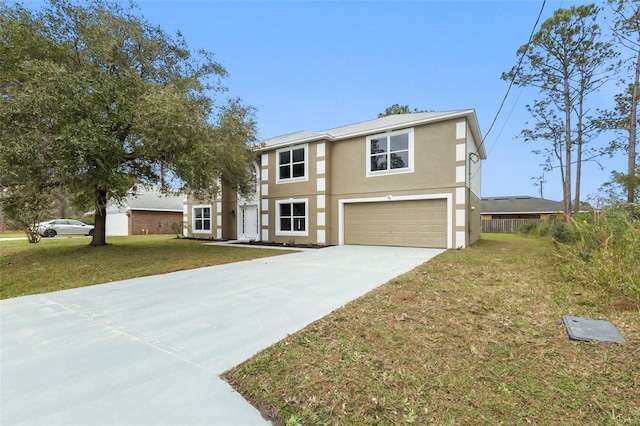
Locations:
{"points": [[391, 198]]}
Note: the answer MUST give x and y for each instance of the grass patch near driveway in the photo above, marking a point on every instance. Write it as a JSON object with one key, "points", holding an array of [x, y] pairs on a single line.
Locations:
{"points": [[60, 263], [471, 337]]}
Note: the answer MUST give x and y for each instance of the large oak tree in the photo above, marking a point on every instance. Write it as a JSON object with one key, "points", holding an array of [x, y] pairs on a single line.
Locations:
{"points": [[95, 100]]}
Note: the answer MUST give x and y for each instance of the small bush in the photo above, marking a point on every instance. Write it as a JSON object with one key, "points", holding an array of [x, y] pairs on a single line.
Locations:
{"points": [[603, 250], [528, 228], [557, 230]]}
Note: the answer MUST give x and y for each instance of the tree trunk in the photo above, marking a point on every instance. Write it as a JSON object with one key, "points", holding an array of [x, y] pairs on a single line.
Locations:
{"points": [[100, 219], [566, 190], [576, 204], [62, 198], [631, 149]]}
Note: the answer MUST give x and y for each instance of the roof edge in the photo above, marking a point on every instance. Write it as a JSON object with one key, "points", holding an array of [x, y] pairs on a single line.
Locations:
{"points": [[469, 114]]}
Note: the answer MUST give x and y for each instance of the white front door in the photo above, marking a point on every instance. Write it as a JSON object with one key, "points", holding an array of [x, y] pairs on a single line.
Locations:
{"points": [[248, 225]]}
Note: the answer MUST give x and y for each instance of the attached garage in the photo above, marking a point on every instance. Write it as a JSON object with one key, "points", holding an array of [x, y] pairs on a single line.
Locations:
{"points": [[407, 223]]}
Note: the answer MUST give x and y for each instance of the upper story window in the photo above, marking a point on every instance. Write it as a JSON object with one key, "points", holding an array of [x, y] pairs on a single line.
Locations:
{"points": [[253, 178], [202, 219], [390, 152], [292, 164]]}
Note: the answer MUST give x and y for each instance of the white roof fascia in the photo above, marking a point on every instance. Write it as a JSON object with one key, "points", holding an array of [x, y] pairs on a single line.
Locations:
{"points": [[326, 135], [311, 138], [404, 125], [153, 210]]}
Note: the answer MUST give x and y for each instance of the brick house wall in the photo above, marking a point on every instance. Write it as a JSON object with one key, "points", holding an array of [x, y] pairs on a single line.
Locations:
{"points": [[153, 222]]}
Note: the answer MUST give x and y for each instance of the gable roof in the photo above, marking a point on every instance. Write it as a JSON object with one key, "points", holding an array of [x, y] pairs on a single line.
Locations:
{"points": [[382, 124], [145, 198], [519, 204]]}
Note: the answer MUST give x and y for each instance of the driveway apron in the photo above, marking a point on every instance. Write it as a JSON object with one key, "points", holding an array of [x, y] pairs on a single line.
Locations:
{"points": [[149, 351]]}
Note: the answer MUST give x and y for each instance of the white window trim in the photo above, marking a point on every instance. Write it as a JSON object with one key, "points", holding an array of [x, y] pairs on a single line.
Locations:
{"points": [[391, 171], [304, 233], [193, 219], [306, 164]]}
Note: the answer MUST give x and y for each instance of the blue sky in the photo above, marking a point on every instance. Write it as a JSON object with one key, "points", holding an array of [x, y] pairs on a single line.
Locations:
{"points": [[319, 65]]}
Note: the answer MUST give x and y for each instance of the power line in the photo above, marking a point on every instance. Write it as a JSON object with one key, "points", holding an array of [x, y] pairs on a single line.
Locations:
{"points": [[504, 99]]}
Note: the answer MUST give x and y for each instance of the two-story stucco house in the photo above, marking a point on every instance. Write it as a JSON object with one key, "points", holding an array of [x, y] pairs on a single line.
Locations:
{"points": [[401, 180]]}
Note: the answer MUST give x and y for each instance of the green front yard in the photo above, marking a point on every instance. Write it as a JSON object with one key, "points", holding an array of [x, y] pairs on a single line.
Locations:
{"points": [[60, 263]]}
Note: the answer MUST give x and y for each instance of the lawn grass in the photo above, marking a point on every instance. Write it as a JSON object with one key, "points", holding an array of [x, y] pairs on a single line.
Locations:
{"points": [[61, 263], [472, 337], [13, 234]]}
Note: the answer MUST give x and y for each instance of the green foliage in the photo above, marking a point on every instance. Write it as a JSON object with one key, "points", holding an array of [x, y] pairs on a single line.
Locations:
{"points": [[605, 250], [567, 60], [96, 99], [293, 420], [399, 109], [557, 230], [617, 189], [528, 228], [176, 227]]}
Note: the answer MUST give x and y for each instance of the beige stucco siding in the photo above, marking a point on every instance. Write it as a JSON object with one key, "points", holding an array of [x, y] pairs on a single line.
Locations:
{"points": [[428, 160], [317, 183], [337, 172], [434, 156], [474, 219], [433, 176], [216, 209]]}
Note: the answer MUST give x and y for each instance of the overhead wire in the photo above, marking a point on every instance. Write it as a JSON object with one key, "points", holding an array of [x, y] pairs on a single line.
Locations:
{"points": [[511, 82], [504, 99]]}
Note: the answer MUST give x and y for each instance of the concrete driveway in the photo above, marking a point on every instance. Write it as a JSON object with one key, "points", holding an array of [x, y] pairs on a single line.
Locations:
{"points": [[148, 351]]}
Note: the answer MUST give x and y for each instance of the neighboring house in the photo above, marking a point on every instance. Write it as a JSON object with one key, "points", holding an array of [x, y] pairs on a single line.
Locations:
{"points": [[400, 180], [520, 207], [146, 211]]}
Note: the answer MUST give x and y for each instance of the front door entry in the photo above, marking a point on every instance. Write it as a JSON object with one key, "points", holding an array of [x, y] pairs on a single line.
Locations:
{"points": [[249, 222]]}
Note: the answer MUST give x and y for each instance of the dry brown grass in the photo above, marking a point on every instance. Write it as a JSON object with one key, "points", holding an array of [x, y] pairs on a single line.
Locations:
{"points": [[471, 337]]}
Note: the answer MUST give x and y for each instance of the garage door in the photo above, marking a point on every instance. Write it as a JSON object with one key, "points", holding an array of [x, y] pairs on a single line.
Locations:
{"points": [[416, 223]]}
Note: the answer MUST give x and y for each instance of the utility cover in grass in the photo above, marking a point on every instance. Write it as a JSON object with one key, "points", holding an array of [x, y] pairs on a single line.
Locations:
{"points": [[587, 330]]}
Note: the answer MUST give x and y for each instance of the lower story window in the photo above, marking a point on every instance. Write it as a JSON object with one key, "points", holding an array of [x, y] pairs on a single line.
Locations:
{"points": [[292, 217], [202, 219]]}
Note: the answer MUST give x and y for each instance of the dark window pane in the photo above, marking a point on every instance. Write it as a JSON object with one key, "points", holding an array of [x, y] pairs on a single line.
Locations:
{"points": [[399, 160], [206, 225], [298, 170], [206, 212], [285, 224], [378, 145], [285, 157], [198, 225], [298, 155], [378, 162], [298, 209], [198, 213], [285, 172], [400, 142], [285, 209], [298, 224]]}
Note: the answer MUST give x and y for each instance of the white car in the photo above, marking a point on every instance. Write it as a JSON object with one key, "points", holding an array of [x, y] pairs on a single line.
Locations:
{"points": [[64, 227]]}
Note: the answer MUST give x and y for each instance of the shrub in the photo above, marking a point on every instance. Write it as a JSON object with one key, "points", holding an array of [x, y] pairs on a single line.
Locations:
{"points": [[557, 230], [528, 228], [604, 251]]}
